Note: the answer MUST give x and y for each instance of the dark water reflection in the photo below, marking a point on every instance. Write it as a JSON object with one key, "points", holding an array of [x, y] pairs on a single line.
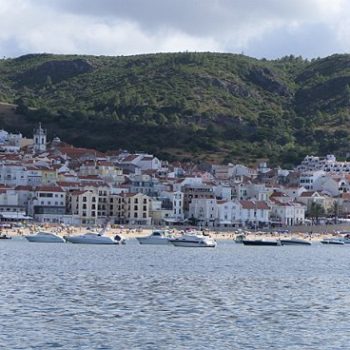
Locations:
{"points": [[153, 297]]}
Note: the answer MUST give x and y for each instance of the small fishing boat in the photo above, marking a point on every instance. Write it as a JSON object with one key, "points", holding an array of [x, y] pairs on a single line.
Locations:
{"points": [[262, 242]]}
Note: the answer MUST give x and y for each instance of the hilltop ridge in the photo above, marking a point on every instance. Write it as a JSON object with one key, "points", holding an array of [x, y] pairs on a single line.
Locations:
{"points": [[212, 106]]}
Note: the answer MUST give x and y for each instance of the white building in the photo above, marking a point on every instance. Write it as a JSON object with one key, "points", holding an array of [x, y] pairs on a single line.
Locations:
{"points": [[288, 214], [308, 178], [203, 211], [328, 164], [253, 213], [48, 204], [228, 212], [13, 174]]}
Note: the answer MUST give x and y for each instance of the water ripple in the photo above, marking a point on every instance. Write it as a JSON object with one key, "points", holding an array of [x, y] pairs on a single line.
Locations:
{"points": [[137, 297]]}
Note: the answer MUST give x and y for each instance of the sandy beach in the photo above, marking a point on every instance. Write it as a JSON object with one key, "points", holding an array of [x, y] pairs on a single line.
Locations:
{"points": [[313, 233]]}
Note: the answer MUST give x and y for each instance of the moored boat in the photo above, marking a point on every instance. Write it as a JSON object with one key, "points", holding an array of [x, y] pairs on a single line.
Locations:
{"points": [[240, 238], [44, 237], [261, 242], [156, 237], [91, 238], [335, 241], [193, 240], [295, 241]]}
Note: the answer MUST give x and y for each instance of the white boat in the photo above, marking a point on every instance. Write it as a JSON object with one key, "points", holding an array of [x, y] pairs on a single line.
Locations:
{"points": [[92, 238], [45, 237], [193, 240], [338, 241], [156, 237], [295, 241]]}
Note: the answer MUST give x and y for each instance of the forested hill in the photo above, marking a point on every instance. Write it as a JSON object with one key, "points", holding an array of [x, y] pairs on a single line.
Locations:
{"points": [[217, 107]]}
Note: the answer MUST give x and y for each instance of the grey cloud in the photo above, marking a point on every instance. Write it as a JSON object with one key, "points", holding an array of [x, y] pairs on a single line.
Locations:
{"points": [[195, 17], [309, 41], [267, 28]]}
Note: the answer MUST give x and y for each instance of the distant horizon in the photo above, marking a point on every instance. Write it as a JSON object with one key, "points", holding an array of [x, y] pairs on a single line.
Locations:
{"points": [[261, 29], [174, 52]]}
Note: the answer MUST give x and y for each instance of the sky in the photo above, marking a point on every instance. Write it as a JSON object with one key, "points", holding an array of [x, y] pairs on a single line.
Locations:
{"points": [[258, 28]]}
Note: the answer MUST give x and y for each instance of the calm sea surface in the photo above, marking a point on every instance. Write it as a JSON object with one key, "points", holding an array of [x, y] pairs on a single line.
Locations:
{"points": [[162, 297]]}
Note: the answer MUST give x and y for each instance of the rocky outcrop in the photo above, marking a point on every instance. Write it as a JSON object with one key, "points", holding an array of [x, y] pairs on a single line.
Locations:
{"points": [[54, 71]]}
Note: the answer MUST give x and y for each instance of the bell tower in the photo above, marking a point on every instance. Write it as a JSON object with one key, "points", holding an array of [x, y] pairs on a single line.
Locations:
{"points": [[39, 137]]}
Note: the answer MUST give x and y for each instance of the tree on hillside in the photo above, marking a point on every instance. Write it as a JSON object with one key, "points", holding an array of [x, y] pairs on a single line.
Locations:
{"points": [[315, 211], [334, 211]]}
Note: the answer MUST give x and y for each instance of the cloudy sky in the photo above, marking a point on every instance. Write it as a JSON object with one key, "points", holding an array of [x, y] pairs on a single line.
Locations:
{"points": [[259, 28]]}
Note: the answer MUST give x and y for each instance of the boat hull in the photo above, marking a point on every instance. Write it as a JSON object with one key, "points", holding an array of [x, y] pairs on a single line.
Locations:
{"points": [[83, 240], [329, 241], [294, 242], [35, 239], [151, 240], [261, 243], [194, 244]]}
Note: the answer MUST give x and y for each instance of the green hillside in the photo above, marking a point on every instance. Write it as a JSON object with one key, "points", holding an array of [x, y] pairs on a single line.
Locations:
{"points": [[217, 107]]}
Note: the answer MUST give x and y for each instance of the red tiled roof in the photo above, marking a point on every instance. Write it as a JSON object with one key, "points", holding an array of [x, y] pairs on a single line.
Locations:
{"points": [[68, 184], [247, 204], [307, 194], [23, 188], [278, 194], [147, 158], [262, 205], [49, 189], [78, 192], [130, 158], [75, 152]]}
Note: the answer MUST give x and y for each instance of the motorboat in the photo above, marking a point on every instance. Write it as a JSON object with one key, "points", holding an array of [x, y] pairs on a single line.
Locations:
{"points": [[193, 240], [5, 236], [44, 237], [262, 242], [346, 239], [156, 237], [240, 238], [92, 238], [119, 239], [338, 241], [295, 241]]}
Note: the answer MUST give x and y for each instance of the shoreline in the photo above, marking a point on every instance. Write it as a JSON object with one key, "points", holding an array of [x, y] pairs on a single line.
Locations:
{"points": [[312, 233]]}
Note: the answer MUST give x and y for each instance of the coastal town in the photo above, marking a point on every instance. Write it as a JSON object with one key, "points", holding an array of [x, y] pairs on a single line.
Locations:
{"points": [[49, 181]]}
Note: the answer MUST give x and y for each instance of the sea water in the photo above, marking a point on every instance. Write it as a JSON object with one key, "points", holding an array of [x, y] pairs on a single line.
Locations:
{"points": [[69, 296]]}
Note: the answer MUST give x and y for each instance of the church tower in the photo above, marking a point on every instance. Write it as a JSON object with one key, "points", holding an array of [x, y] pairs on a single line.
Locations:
{"points": [[39, 140]]}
